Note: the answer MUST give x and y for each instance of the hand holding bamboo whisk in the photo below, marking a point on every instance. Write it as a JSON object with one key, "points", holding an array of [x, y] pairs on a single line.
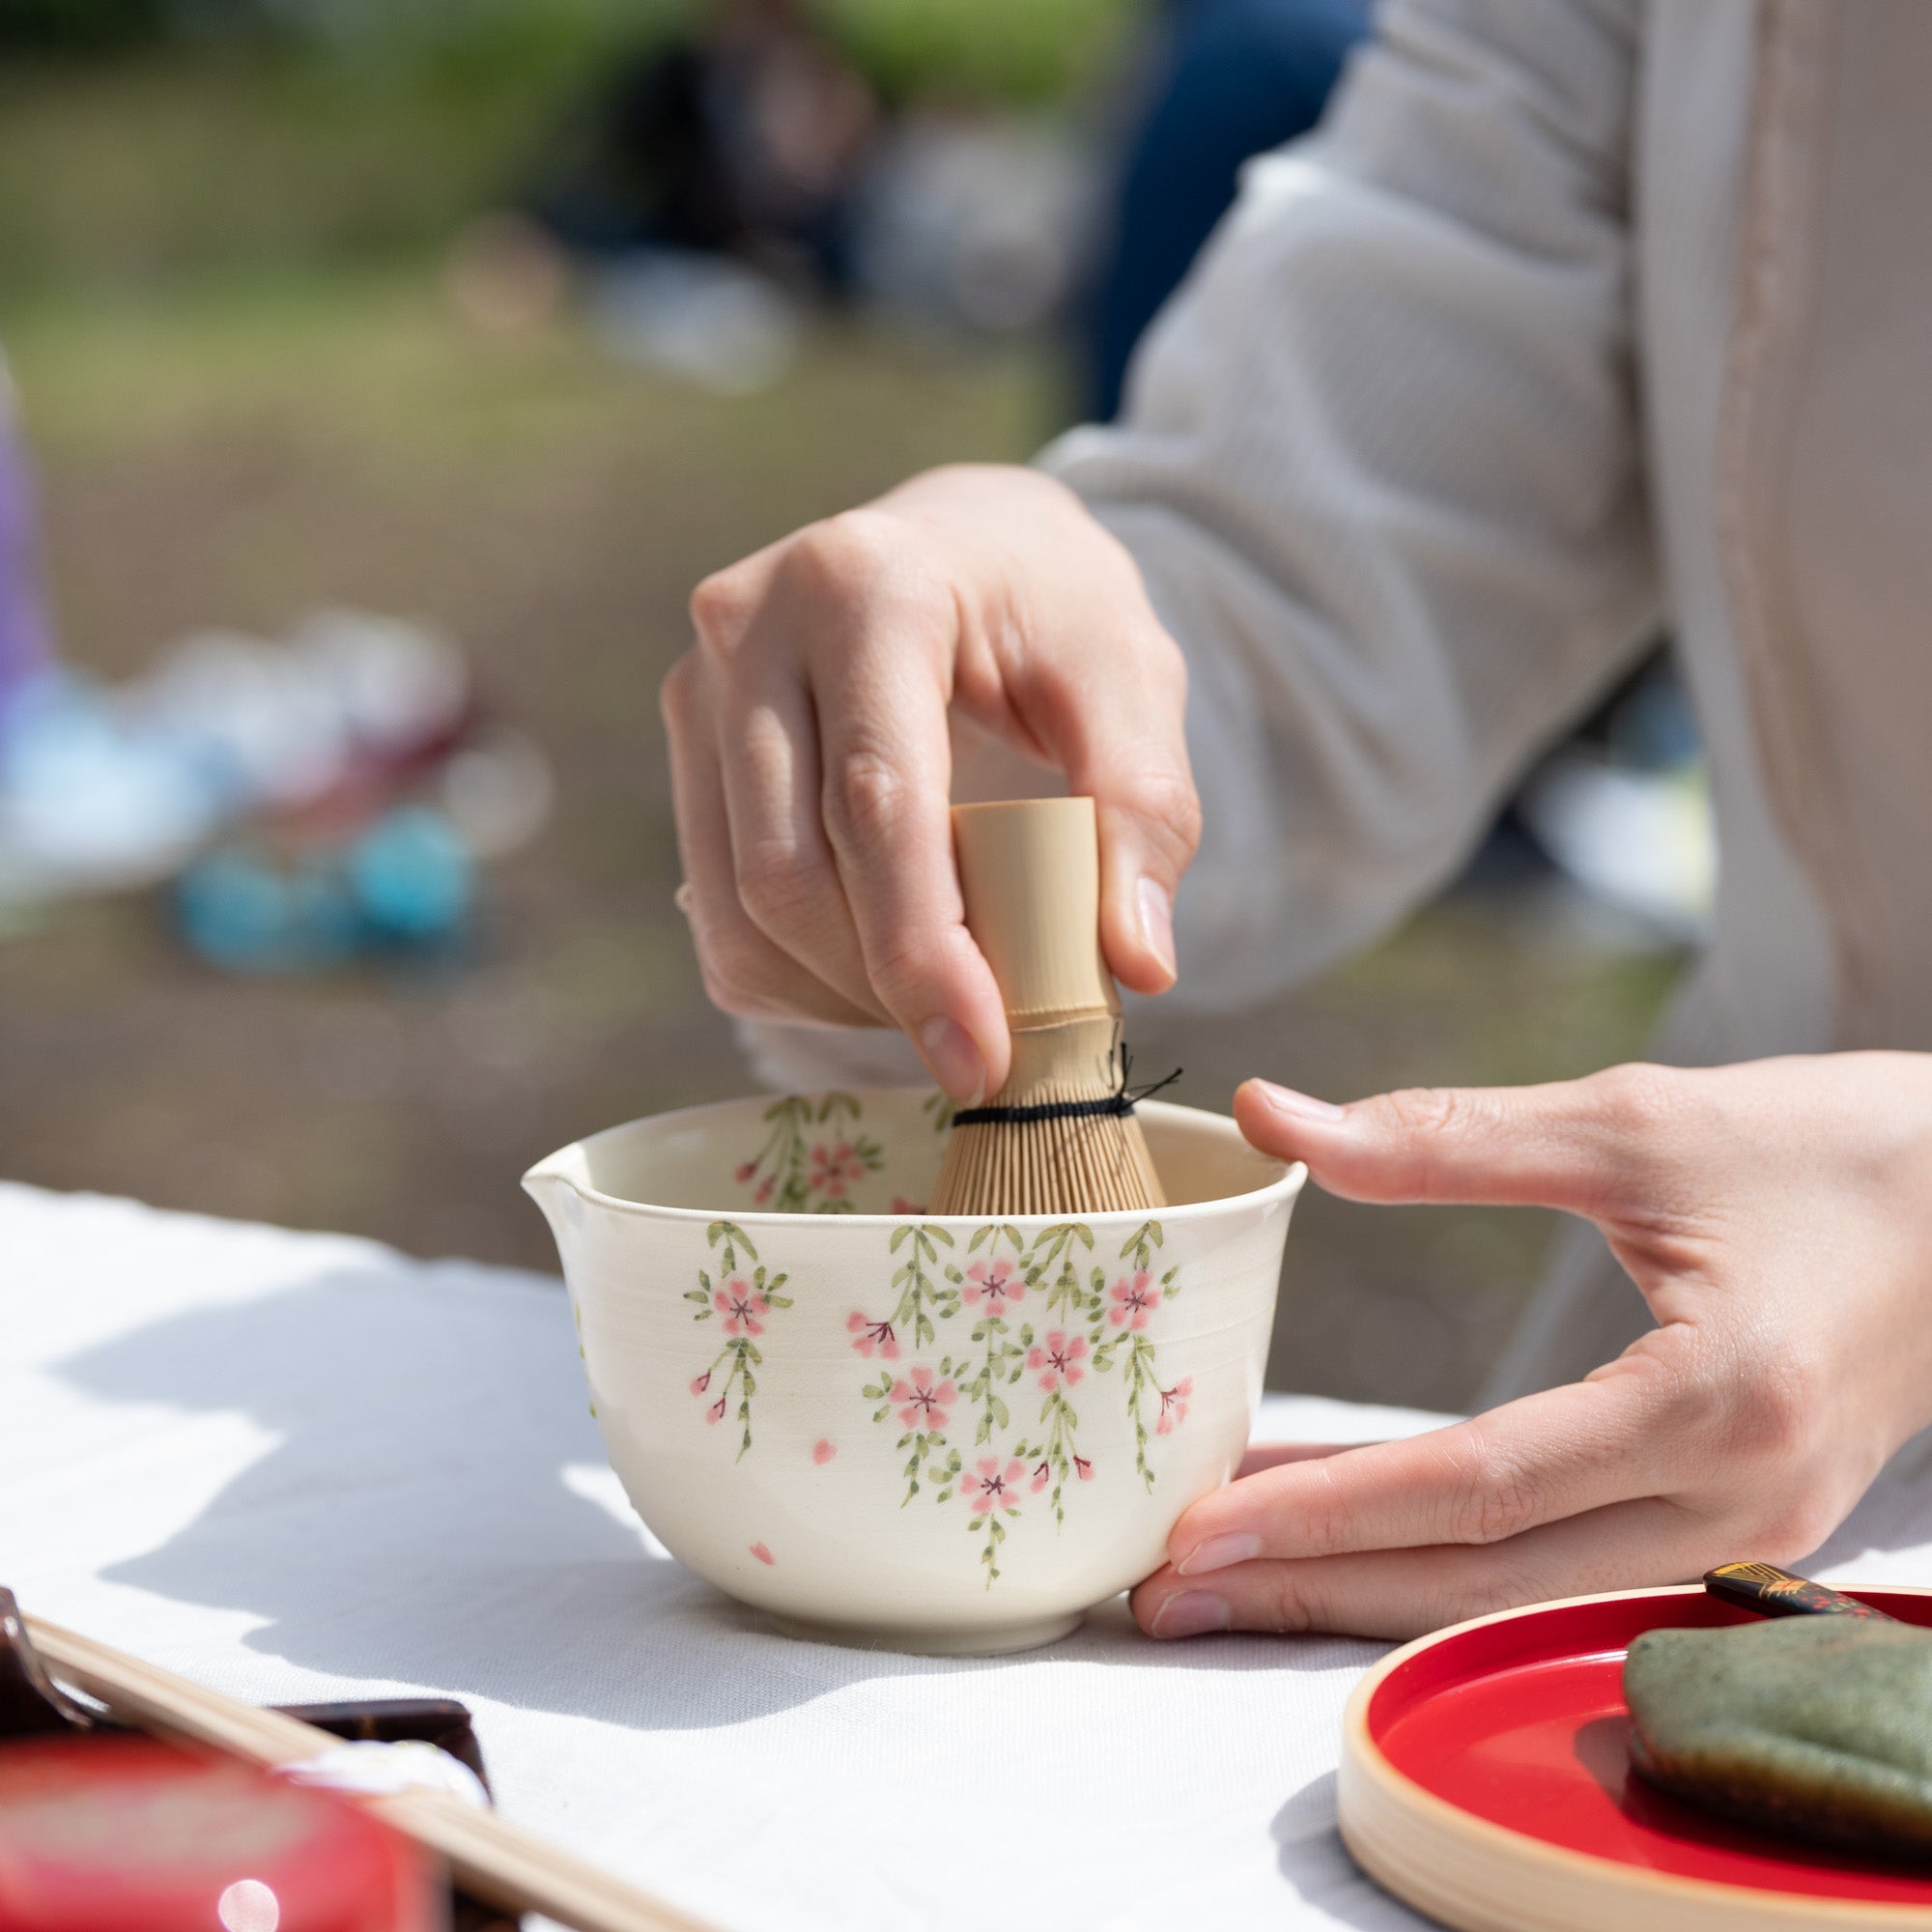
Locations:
{"points": [[1059, 1137]]}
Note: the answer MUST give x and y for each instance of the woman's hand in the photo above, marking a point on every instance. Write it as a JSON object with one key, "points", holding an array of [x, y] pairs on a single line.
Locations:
{"points": [[810, 761], [1778, 1218]]}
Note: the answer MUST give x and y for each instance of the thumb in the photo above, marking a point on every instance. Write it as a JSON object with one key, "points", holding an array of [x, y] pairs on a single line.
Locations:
{"points": [[1120, 739], [1577, 1145]]}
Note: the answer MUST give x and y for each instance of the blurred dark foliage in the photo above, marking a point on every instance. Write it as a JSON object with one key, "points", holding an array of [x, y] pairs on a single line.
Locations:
{"points": [[92, 30], [83, 26]]}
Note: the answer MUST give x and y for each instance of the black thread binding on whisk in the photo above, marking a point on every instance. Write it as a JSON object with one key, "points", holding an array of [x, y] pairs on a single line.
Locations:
{"points": [[1121, 1100]]}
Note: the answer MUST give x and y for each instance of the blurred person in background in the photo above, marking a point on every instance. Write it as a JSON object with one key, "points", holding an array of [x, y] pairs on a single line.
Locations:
{"points": [[1232, 78], [1567, 318], [750, 137]]}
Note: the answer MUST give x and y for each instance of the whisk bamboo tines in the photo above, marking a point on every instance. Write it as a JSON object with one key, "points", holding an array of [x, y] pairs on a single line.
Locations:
{"points": [[1058, 1138]]}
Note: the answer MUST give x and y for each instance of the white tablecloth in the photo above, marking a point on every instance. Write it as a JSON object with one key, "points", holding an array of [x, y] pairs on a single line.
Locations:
{"points": [[302, 1466]]}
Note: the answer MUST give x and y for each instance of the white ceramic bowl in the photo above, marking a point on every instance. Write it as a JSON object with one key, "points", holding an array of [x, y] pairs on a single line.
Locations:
{"points": [[932, 1433]]}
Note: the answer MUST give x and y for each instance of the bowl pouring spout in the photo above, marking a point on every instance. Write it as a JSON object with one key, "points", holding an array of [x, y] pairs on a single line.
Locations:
{"points": [[554, 1186]]}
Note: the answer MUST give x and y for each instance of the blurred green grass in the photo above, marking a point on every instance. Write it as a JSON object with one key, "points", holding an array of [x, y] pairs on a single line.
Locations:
{"points": [[144, 171], [377, 130], [249, 398]]}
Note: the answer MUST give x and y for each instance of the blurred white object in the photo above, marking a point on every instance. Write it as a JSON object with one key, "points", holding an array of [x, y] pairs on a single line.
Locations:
{"points": [[705, 318], [497, 792], [393, 685], [280, 724], [246, 714], [1642, 841], [985, 221], [87, 804], [373, 1769]]}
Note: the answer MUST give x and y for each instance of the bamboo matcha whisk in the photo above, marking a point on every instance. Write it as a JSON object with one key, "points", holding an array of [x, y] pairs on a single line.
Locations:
{"points": [[1059, 1137]]}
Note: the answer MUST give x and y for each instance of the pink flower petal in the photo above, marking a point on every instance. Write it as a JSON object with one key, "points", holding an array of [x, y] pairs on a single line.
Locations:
{"points": [[823, 1450], [763, 1554]]}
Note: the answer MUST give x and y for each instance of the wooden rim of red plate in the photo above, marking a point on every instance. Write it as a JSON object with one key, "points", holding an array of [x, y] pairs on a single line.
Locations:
{"points": [[1483, 1781]]}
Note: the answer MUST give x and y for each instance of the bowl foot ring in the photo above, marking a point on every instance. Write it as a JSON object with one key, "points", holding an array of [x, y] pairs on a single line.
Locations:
{"points": [[997, 1640]]}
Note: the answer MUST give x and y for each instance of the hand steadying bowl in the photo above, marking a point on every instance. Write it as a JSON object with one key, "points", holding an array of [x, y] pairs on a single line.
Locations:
{"points": [[931, 1433]]}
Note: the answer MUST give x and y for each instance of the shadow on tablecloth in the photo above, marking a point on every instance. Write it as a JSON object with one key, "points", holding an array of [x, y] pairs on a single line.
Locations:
{"points": [[437, 1514]]}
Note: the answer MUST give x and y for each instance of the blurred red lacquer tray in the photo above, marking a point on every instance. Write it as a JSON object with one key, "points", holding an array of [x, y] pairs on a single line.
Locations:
{"points": [[128, 1835], [1485, 1778]]}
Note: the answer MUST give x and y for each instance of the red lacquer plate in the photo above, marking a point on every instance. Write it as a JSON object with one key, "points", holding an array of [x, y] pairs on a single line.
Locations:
{"points": [[1485, 1779]]}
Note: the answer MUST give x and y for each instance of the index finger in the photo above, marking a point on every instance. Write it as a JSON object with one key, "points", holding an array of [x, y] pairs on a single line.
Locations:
{"points": [[1400, 1594], [881, 690], [1557, 1454]]}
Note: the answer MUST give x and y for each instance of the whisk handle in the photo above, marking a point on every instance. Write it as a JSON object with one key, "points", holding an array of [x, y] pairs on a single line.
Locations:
{"points": [[1030, 873]]}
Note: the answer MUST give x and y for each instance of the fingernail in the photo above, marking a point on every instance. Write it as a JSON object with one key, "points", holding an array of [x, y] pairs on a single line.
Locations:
{"points": [[1299, 1106], [1218, 1552], [1156, 911], [1192, 1613], [955, 1059]]}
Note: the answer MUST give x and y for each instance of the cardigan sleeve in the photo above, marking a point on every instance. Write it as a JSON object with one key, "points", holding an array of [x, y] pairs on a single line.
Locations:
{"points": [[1380, 466]]}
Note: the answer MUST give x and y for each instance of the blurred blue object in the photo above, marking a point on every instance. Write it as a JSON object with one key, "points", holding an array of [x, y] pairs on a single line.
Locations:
{"points": [[240, 913], [86, 802], [405, 885], [413, 875], [1654, 728]]}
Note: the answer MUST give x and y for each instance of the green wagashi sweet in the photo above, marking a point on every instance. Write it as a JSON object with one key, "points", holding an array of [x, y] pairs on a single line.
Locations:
{"points": [[1811, 1728]]}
